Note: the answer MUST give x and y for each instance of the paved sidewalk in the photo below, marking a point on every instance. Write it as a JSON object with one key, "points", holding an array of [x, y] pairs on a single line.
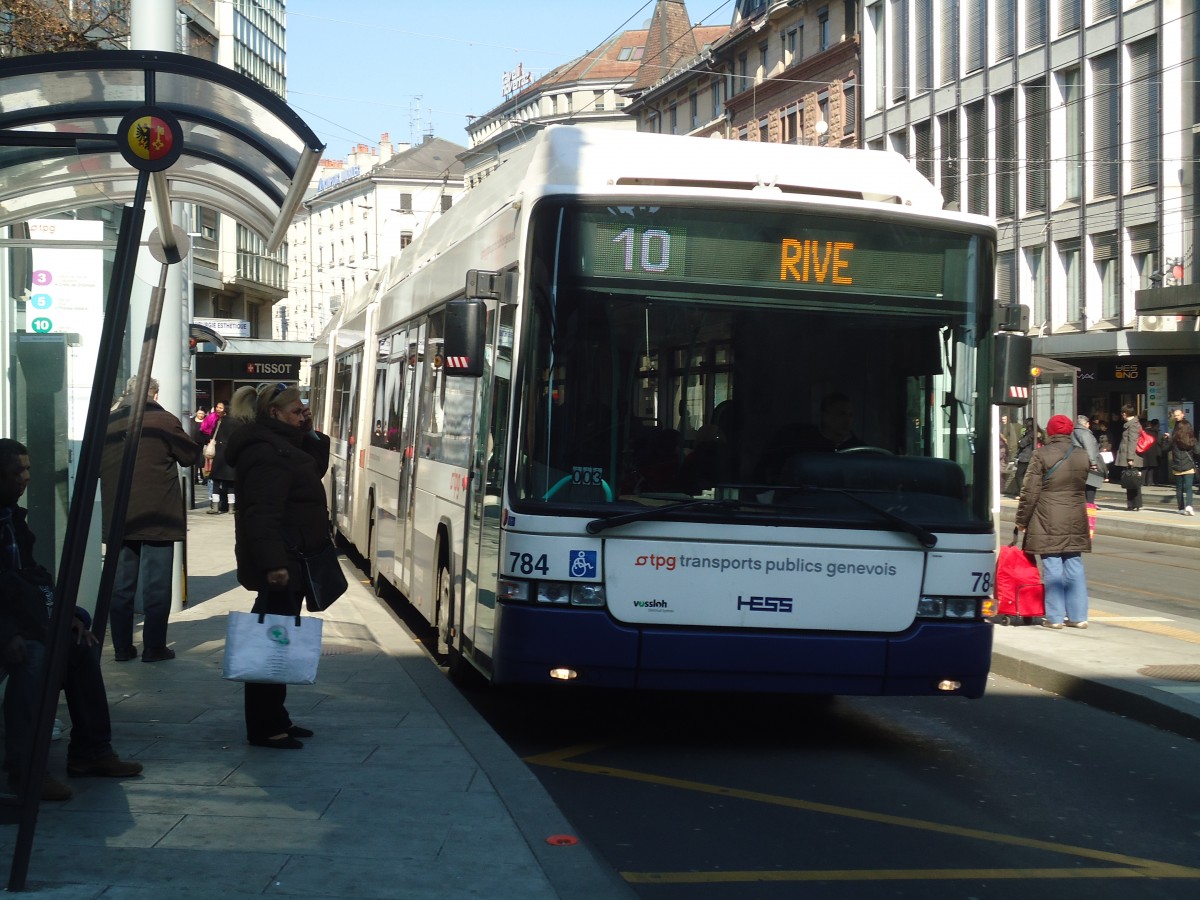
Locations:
{"points": [[404, 792], [1131, 661]]}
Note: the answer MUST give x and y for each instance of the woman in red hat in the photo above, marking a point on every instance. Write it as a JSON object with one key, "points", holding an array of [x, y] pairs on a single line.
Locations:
{"points": [[1052, 512]]}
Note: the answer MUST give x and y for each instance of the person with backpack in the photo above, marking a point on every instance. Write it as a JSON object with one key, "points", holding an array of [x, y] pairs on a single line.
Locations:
{"points": [[1180, 444]]}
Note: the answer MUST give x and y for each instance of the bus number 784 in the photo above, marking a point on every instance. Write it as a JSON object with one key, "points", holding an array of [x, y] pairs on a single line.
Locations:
{"points": [[526, 564]]}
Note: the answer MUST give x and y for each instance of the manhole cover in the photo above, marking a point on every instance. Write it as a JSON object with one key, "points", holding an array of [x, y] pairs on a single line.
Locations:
{"points": [[1172, 673], [333, 648]]}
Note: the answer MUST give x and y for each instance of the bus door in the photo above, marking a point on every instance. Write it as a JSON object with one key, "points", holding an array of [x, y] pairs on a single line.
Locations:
{"points": [[482, 552], [409, 412]]}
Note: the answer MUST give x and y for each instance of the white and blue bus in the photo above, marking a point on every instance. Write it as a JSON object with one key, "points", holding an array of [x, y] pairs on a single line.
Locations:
{"points": [[644, 411]]}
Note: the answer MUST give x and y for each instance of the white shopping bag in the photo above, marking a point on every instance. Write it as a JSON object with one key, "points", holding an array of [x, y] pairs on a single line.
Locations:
{"points": [[272, 649]]}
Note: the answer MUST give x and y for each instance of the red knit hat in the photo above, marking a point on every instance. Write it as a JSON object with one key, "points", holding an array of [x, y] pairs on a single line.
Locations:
{"points": [[1059, 425]]}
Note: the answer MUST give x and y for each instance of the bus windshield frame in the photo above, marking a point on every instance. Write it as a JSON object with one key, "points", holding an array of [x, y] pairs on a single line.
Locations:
{"points": [[796, 362]]}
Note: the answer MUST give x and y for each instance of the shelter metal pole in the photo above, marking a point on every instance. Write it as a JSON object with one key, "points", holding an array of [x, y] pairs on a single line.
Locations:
{"points": [[79, 516]]}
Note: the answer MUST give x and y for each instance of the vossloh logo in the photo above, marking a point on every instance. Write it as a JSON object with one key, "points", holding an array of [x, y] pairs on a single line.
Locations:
{"points": [[651, 604]]}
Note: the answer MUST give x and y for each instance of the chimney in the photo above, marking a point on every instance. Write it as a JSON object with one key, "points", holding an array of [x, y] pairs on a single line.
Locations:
{"points": [[385, 148]]}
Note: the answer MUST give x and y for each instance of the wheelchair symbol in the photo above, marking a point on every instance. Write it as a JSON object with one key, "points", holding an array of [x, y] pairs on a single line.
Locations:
{"points": [[583, 564]]}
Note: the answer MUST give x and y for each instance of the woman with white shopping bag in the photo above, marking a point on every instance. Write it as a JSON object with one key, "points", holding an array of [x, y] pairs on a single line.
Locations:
{"points": [[281, 514]]}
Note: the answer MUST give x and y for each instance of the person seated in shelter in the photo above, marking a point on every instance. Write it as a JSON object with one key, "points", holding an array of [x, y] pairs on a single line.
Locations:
{"points": [[26, 600]]}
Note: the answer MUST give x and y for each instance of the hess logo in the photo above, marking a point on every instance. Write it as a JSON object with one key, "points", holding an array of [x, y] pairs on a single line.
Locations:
{"points": [[765, 604]]}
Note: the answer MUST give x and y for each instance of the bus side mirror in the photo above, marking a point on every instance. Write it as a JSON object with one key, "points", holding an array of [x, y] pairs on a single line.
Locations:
{"points": [[1011, 376], [462, 348]]}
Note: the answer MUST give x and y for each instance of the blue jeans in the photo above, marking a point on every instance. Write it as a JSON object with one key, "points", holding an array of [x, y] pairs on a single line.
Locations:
{"points": [[1066, 587], [1183, 489], [145, 565], [87, 703]]}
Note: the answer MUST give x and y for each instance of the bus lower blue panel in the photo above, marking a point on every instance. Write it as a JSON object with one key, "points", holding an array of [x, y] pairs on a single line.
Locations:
{"points": [[531, 640]]}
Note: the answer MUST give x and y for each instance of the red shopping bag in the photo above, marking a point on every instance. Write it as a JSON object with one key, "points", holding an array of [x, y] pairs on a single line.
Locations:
{"points": [[1019, 592]]}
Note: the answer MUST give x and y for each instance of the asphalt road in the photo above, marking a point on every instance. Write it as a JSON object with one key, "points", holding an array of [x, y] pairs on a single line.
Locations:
{"points": [[1020, 794]]}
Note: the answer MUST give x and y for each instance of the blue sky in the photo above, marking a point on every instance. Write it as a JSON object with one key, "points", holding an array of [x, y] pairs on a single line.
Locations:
{"points": [[358, 68]]}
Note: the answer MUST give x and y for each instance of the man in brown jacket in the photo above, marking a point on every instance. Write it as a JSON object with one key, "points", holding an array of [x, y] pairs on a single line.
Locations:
{"points": [[153, 522]]}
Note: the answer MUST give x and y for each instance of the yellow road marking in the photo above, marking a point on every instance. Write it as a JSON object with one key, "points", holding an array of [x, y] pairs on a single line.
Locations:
{"points": [[1140, 868], [884, 875], [1179, 634]]}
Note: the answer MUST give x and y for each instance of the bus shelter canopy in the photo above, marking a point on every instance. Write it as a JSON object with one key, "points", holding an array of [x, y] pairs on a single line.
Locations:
{"points": [[245, 152]]}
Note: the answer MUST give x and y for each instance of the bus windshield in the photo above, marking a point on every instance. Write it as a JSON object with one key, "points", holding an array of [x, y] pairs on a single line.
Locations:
{"points": [[793, 365]]}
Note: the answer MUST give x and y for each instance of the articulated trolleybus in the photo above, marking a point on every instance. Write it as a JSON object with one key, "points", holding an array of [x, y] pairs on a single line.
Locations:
{"points": [[644, 411]]}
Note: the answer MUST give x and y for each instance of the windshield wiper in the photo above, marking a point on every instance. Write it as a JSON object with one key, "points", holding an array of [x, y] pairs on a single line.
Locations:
{"points": [[927, 538], [658, 512]]}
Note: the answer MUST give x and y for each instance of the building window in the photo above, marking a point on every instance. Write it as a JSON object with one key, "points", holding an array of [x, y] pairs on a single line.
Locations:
{"points": [[1035, 271], [1036, 23], [1037, 151], [1068, 17], [694, 111], [849, 109], [1144, 113], [1104, 262], [1068, 260], [790, 124], [975, 34], [743, 72], [763, 132], [1006, 154], [977, 158], [624, 54], [1004, 28], [1072, 100], [790, 45], [923, 47], [1143, 249], [405, 239], [406, 203], [1104, 9], [898, 50], [948, 53], [1106, 138], [447, 202], [762, 61], [638, 52], [1005, 283], [674, 119], [717, 108], [824, 40], [923, 148], [948, 142]]}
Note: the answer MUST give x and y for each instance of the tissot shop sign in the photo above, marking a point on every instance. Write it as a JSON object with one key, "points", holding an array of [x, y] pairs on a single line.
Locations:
{"points": [[243, 367]]}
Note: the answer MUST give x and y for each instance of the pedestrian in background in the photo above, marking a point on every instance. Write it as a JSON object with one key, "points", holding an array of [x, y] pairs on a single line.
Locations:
{"points": [[1180, 444], [281, 515], [1031, 438], [1052, 513], [1130, 459], [153, 521], [1083, 438], [1152, 455]]}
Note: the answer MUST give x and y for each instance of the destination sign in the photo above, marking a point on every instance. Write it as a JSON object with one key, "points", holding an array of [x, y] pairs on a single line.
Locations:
{"points": [[743, 249]]}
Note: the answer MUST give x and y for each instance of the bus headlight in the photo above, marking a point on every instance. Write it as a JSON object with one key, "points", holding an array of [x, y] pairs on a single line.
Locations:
{"points": [[958, 608], [514, 589], [587, 595], [558, 593]]}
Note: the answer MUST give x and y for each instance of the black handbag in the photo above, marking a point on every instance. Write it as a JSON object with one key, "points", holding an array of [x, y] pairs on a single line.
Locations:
{"points": [[1131, 479], [325, 581]]}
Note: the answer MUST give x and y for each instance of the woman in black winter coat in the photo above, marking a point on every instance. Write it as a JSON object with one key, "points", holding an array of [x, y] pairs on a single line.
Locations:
{"points": [[281, 515], [1032, 438]]}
